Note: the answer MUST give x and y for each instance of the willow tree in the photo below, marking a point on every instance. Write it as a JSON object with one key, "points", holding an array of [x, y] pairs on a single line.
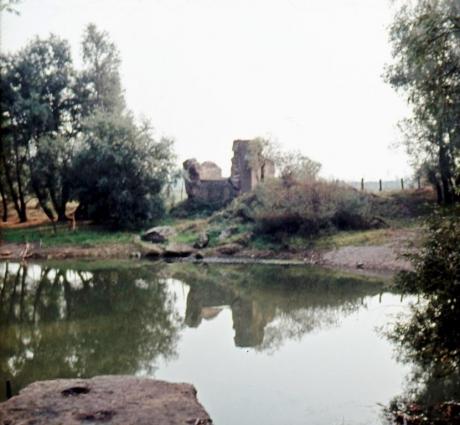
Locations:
{"points": [[425, 36]]}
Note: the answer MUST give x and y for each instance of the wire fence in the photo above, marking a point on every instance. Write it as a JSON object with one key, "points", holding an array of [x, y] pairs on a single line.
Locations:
{"points": [[388, 185]]}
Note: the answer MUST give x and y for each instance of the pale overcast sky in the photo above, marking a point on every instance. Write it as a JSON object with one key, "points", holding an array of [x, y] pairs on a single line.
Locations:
{"points": [[205, 72]]}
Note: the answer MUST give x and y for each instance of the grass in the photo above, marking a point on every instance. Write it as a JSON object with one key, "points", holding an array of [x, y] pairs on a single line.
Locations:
{"points": [[354, 238], [85, 236]]}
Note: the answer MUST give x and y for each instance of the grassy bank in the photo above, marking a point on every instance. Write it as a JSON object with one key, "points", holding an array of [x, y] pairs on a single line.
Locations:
{"points": [[85, 236]]}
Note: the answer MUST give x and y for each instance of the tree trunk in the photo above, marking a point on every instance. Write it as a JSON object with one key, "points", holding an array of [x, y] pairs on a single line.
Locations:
{"points": [[10, 184], [4, 202], [41, 199], [22, 202], [446, 176]]}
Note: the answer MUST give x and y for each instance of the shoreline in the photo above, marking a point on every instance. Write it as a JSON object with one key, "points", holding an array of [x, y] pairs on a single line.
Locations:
{"points": [[364, 259]]}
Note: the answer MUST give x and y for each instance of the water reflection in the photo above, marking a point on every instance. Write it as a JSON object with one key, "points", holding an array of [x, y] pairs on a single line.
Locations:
{"points": [[119, 319], [271, 304], [66, 323], [429, 340]]}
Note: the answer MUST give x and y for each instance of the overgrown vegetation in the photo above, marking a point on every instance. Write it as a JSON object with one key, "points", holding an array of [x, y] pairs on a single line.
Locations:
{"points": [[426, 38], [68, 136], [431, 338], [310, 208]]}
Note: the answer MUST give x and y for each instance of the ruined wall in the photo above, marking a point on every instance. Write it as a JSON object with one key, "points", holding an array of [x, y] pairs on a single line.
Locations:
{"points": [[204, 182], [249, 167]]}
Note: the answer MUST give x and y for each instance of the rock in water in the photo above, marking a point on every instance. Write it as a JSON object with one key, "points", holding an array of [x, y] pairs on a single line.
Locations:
{"points": [[158, 234], [117, 400]]}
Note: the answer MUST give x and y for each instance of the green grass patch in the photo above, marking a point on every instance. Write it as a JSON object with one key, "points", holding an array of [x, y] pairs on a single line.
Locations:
{"points": [[354, 238], [84, 236]]}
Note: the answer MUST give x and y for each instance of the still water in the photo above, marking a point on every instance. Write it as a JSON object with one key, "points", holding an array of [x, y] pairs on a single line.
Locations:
{"points": [[262, 344]]}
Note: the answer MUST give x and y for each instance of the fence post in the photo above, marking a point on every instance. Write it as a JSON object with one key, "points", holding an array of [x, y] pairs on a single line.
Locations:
{"points": [[9, 393], [402, 184], [362, 184], [380, 185]]}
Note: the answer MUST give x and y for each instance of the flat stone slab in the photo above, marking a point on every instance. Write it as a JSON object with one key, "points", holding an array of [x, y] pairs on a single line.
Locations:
{"points": [[114, 400]]}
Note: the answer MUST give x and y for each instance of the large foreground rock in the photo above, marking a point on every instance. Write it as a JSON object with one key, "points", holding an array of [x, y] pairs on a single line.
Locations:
{"points": [[123, 400]]}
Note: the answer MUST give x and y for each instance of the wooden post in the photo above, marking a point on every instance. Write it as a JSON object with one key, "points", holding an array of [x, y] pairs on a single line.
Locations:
{"points": [[362, 184], [9, 393], [418, 182], [402, 184], [380, 185]]}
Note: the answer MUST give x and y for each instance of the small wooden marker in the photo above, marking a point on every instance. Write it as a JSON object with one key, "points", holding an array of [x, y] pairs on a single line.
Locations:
{"points": [[9, 393]]}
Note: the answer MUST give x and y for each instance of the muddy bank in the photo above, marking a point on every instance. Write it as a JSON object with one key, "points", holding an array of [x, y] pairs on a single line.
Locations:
{"points": [[386, 258]]}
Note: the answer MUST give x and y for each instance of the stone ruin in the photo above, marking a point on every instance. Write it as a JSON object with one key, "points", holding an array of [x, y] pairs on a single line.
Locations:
{"points": [[204, 182]]}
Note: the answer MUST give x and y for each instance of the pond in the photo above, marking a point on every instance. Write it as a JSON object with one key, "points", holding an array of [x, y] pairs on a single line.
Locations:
{"points": [[262, 344]]}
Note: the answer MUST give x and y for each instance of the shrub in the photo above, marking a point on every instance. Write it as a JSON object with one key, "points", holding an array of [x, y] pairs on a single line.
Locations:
{"points": [[120, 173], [306, 207]]}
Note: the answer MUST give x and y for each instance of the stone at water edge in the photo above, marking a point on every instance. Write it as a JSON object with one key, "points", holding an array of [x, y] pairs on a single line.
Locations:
{"points": [[229, 249], [159, 234], [178, 250], [226, 233], [202, 240], [118, 400]]}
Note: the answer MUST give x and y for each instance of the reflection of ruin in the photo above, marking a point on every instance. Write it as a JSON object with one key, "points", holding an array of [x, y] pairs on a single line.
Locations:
{"points": [[249, 318], [204, 182], [265, 315]]}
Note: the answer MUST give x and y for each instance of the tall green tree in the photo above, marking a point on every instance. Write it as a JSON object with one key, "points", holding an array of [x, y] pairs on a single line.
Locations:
{"points": [[426, 49], [120, 173], [41, 113], [12, 147], [100, 79], [9, 5]]}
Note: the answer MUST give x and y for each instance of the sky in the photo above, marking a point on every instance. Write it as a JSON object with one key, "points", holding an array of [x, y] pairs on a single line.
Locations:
{"points": [[304, 73]]}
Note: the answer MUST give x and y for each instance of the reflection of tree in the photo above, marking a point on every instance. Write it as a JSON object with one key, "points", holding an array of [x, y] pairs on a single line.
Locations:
{"points": [[65, 323], [273, 304], [430, 338], [430, 342]]}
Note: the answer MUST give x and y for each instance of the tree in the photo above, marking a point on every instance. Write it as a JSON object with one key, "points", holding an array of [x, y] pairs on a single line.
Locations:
{"points": [[290, 165], [430, 340], [9, 5], [426, 41], [121, 171], [39, 106], [100, 79]]}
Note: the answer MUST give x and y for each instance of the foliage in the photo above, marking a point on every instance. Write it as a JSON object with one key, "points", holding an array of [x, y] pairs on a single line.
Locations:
{"points": [[290, 165], [9, 6], [100, 79], [120, 172], [431, 338], [432, 335], [40, 113], [54, 118], [306, 207], [426, 40]]}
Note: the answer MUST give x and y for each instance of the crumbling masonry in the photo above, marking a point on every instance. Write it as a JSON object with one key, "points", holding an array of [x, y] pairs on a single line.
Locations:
{"points": [[204, 182]]}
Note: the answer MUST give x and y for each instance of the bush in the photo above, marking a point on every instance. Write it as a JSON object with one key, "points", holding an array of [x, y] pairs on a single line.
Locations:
{"points": [[429, 339], [306, 207], [120, 173]]}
